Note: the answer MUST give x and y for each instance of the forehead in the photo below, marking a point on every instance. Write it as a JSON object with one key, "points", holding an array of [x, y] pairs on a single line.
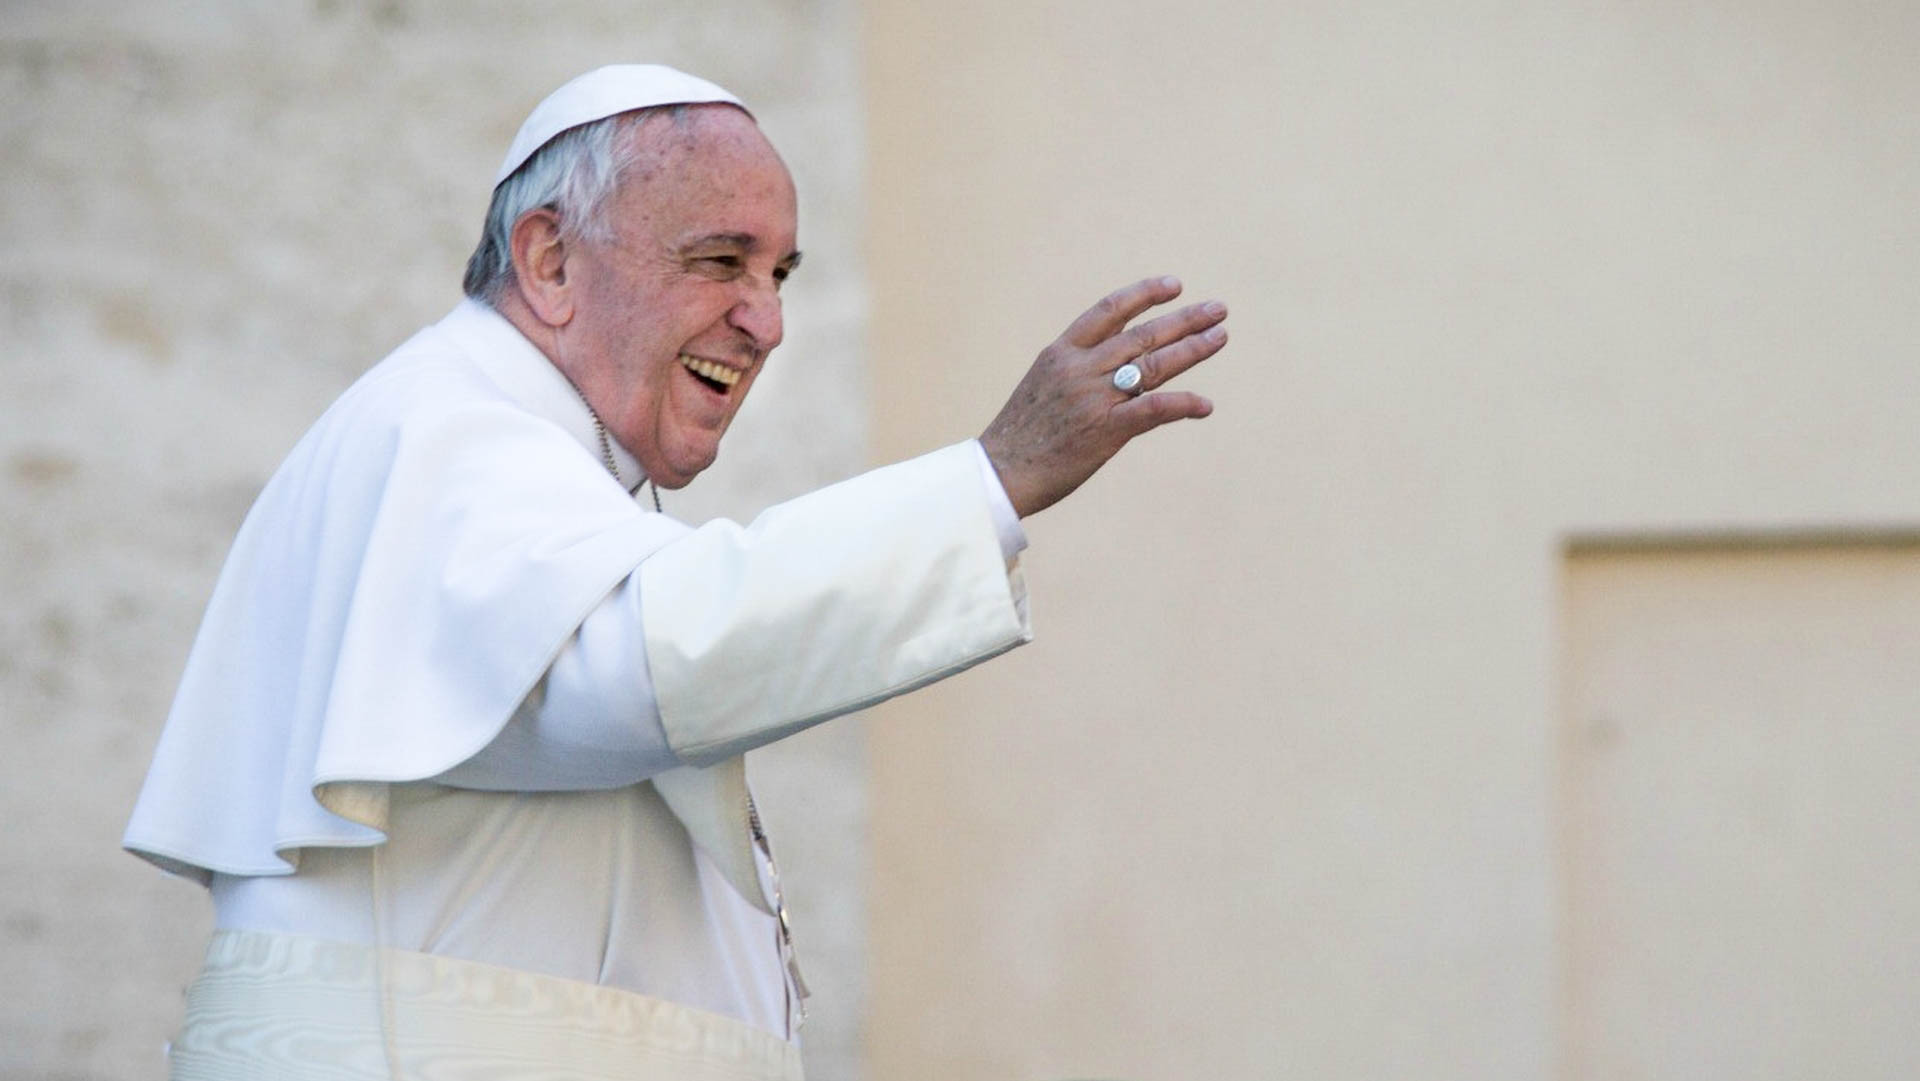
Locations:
{"points": [[707, 168]]}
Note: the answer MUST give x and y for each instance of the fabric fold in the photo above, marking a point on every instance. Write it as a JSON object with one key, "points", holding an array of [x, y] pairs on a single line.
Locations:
{"points": [[400, 585]]}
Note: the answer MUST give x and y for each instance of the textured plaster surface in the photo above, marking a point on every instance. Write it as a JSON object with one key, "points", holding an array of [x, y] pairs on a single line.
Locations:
{"points": [[216, 216]]}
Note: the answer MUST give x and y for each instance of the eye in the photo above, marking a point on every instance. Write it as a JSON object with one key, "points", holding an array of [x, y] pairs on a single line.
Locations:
{"points": [[720, 266]]}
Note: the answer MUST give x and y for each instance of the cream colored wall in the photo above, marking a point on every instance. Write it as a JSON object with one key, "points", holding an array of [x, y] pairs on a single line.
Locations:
{"points": [[216, 214], [1740, 889], [1273, 794]]}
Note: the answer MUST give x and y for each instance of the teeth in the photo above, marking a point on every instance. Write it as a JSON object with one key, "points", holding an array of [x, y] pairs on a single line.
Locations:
{"points": [[720, 374]]}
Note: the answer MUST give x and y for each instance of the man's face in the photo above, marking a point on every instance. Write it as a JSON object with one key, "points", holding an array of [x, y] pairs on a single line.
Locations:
{"points": [[675, 315]]}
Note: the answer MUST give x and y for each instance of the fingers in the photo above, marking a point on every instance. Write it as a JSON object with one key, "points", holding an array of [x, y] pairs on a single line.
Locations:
{"points": [[1066, 418], [1118, 308], [1150, 411], [1168, 361]]}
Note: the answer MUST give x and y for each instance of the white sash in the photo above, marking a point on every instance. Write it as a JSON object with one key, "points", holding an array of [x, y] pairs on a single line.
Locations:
{"points": [[302, 1009]]}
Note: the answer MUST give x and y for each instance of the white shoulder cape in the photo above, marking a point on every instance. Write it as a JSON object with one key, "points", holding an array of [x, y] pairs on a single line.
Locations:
{"points": [[428, 548]]}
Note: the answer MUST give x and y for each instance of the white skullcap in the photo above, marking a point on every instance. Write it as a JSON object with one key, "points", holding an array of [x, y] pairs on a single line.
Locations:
{"points": [[600, 93]]}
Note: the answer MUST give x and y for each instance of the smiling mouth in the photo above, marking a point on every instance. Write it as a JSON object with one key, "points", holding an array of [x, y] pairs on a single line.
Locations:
{"points": [[718, 377]]}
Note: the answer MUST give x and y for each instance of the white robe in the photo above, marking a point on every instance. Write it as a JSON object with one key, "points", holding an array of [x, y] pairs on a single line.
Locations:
{"points": [[406, 582]]}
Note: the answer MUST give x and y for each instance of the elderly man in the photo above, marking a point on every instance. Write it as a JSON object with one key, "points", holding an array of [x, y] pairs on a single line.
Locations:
{"points": [[458, 749]]}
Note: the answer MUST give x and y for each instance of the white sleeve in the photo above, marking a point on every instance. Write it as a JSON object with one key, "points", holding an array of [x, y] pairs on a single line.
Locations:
{"points": [[591, 722], [912, 597]]}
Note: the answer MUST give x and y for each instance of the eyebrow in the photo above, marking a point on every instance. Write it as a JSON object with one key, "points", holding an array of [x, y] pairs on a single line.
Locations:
{"points": [[744, 240]]}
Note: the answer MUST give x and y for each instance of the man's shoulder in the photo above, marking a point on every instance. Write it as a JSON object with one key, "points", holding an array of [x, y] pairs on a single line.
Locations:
{"points": [[430, 370], [436, 374], [433, 393]]}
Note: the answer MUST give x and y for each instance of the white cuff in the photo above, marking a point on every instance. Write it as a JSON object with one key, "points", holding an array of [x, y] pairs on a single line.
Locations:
{"points": [[1006, 523]]}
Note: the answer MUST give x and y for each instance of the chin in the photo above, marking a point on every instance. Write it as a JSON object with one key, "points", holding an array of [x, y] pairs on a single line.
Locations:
{"points": [[675, 479]]}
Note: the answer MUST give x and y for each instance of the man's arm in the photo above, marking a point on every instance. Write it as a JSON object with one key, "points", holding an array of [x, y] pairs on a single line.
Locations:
{"points": [[594, 720], [819, 607]]}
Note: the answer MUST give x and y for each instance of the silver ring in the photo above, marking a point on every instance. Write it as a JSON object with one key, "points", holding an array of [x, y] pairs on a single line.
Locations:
{"points": [[1126, 378]]}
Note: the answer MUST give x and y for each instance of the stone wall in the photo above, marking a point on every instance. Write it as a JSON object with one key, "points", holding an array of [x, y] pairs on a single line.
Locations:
{"points": [[216, 216]]}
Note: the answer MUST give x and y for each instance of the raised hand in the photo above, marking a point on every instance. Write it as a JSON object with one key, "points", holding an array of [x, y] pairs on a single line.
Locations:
{"points": [[1067, 416]]}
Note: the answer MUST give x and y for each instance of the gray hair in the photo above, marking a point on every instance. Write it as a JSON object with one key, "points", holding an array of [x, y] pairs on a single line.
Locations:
{"points": [[574, 175]]}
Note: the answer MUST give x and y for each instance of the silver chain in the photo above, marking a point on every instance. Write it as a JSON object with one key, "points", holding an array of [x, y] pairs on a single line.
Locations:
{"points": [[606, 451], [797, 984]]}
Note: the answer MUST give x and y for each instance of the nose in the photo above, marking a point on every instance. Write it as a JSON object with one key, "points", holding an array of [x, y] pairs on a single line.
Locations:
{"points": [[757, 315]]}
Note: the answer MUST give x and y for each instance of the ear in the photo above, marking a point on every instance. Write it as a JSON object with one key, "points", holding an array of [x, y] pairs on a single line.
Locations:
{"points": [[540, 266]]}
